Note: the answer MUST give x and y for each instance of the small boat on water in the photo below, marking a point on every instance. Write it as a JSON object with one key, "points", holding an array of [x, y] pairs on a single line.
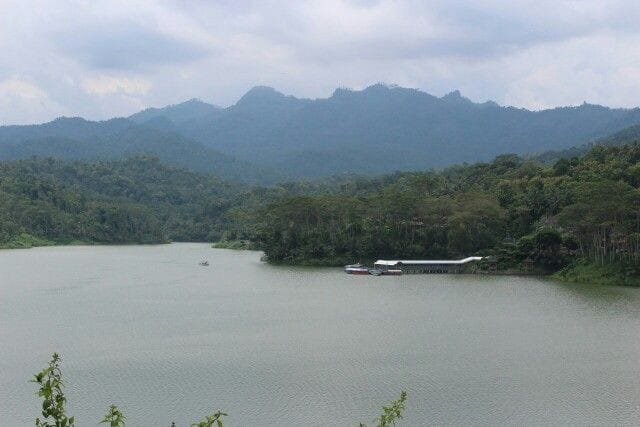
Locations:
{"points": [[204, 263], [375, 272], [356, 270]]}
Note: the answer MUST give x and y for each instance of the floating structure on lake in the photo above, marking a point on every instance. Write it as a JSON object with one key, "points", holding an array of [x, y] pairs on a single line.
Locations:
{"points": [[424, 266]]}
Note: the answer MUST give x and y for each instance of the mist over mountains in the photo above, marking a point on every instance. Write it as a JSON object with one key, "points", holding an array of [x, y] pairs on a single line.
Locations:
{"points": [[267, 136]]}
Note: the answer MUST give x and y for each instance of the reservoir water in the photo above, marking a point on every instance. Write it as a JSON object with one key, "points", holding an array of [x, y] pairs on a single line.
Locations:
{"points": [[147, 328]]}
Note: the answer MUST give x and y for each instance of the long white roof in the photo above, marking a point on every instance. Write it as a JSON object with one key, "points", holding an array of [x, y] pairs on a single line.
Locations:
{"points": [[428, 262]]}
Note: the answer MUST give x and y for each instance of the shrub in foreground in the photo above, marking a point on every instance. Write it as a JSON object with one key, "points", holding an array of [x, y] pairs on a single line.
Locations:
{"points": [[51, 389]]}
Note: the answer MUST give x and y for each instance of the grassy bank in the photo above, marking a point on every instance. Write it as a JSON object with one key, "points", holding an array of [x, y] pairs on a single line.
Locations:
{"points": [[617, 274], [25, 241]]}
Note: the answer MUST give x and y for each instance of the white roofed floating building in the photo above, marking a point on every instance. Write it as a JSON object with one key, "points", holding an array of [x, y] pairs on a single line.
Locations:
{"points": [[426, 266]]}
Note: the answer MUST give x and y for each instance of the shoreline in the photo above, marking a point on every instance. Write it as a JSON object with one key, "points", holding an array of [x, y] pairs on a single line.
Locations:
{"points": [[580, 273], [27, 241]]}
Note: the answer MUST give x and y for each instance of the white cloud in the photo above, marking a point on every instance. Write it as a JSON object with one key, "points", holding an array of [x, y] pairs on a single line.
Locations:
{"points": [[596, 69], [106, 85], [99, 59], [19, 89], [21, 101]]}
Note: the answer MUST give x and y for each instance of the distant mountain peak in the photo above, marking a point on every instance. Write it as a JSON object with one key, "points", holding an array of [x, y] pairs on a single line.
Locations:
{"points": [[385, 88], [261, 94], [196, 102], [380, 86], [67, 119], [177, 113], [341, 91], [490, 103], [456, 96]]}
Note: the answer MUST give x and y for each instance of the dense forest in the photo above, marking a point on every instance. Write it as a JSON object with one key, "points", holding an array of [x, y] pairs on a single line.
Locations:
{"points": [[523, 213], [136, 200]]}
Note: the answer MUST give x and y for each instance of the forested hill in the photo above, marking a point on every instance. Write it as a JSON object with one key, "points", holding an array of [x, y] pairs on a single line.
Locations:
{"points": [[382, 129], [518, 211], [180, 115], [134, 200], [624, 136]]}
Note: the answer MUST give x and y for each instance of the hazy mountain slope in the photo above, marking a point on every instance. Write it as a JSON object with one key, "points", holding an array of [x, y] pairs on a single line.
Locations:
{"points": [[268, 136], [178, 114], [384, 128], [258, 124], [75, 138], [625, 136]]}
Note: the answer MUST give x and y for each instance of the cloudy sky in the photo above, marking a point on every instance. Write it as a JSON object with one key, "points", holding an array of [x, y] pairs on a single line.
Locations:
{"points": [[100, 59]]}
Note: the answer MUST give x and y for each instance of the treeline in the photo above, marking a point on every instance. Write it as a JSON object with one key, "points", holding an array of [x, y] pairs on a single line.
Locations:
{"points": [[138, 200], [522, 212]]}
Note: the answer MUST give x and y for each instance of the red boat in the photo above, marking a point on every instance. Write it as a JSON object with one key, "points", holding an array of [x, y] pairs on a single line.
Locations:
{"points": [[356, 270]]}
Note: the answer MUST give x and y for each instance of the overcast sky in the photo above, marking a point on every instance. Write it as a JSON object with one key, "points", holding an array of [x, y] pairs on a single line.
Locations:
{"points": [[100, 59]]}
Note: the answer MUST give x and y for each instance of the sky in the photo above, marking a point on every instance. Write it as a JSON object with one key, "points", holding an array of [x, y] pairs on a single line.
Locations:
{"points": [[100, 59]]}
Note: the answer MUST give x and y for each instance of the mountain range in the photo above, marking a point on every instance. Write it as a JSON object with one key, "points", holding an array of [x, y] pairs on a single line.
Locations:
{"points": [[267, 136]]}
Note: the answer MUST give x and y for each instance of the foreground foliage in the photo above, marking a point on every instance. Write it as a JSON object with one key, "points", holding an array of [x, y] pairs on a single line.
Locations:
{"points": [[51, 389], [391, 413], [114, 417], [213, 420]]}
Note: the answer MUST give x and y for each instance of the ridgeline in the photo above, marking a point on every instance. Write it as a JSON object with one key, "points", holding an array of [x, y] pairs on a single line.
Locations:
{"points": [[267, 137]]}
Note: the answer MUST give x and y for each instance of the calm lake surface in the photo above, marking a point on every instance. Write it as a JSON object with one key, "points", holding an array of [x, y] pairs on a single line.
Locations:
{"points": [[147, 328]]}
